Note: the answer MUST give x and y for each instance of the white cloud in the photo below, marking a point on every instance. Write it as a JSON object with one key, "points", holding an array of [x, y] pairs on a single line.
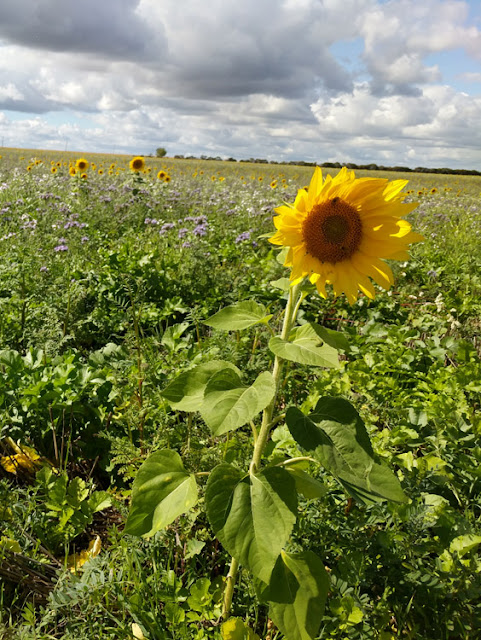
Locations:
{"points": [[242, 79]]}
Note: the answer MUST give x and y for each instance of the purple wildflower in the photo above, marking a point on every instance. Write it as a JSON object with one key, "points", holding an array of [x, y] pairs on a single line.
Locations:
{"points": [[242, 237]]}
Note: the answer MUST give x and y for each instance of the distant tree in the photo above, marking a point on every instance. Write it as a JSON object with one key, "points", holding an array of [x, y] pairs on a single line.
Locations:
{"points": [[160, 152]]}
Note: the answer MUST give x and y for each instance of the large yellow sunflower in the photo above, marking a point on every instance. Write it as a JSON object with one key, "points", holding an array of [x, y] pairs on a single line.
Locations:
{"points": [[82, 164], [341, 229], [137, 164]]}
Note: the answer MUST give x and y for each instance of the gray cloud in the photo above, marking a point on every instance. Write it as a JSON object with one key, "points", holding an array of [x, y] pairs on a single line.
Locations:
{"points": [[108, 28]]}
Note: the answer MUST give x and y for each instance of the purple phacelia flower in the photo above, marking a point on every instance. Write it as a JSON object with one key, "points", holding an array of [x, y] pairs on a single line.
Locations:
{"points": [[242, 237]]}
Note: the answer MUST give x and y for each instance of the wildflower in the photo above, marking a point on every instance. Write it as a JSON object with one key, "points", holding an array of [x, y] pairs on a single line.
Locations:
{"points": [[60, 247], [161, 175], [273, 184], [44, 269], [340, 230], [72, 171], [84, 239], [81, 164], [53, 170], [242, 237], [137, 164]]}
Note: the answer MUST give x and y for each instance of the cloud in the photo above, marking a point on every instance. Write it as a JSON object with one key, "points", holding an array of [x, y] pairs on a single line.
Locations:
{"points": [[111, 28], [251, 79]]}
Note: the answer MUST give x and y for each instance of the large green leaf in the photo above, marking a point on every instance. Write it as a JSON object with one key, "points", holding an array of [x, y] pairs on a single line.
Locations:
{"points": [[186, 392], [306, 485], [229, 404], [239, 316], [305, 347], [161, 492], [335, 434], [335, 339], [297, 594], [252, 515]]}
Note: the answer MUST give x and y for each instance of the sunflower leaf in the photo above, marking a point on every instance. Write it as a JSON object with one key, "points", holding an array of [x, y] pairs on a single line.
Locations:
{"points": [[297, 594], [239, 316], [161, 492], [305, 347], [336, 436], [252, 515], [186, 392], [229, 404]]}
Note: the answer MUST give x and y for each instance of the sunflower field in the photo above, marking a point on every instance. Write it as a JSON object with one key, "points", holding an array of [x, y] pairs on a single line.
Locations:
{"points": [[238, 401]]}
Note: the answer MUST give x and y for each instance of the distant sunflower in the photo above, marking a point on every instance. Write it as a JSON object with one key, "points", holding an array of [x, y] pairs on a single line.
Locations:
{"points": [[82, 164], [53, 170], [167, 178], [161, 175], [83, 176], [137, 164], [341, 229], [72, 171]]}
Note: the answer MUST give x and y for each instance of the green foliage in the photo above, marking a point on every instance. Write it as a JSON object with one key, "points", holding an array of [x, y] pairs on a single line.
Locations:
{"points": [[335, 434], [161, 492], [253, 516], [239, 316], [305, 347], [68, 506], [93, 334]]}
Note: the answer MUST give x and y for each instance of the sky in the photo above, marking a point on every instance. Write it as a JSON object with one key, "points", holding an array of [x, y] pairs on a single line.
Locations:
{"points": [[391, 82]]}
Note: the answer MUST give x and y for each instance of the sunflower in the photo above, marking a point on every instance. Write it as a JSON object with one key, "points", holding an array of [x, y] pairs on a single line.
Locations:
{"points": [[137, 164], [161, 175], [82, 164], [341, 229], [72, 171]]}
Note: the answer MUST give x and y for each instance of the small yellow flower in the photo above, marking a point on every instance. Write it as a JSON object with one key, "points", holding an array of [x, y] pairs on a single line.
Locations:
{"points": [[161, 175], [341, 229], [72, 171], [137, 164], [273, 184], [54, 169], [83, 176]]}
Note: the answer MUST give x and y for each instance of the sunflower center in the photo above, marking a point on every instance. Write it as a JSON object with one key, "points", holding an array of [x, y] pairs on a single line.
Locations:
{"points": [[332, 231]]}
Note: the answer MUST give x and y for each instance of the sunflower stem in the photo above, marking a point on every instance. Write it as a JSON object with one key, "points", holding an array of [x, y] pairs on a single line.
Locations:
{"points": [[292, 307], [229, 588], [290, 313]]}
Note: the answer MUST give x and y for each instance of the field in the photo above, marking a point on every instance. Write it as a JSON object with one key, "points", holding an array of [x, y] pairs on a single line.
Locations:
{"points": [[107, 279]]}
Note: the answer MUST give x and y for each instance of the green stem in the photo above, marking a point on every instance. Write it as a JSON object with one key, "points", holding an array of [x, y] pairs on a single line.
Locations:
{"points": [[292, 307], [286, 463], [229, 588]]}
